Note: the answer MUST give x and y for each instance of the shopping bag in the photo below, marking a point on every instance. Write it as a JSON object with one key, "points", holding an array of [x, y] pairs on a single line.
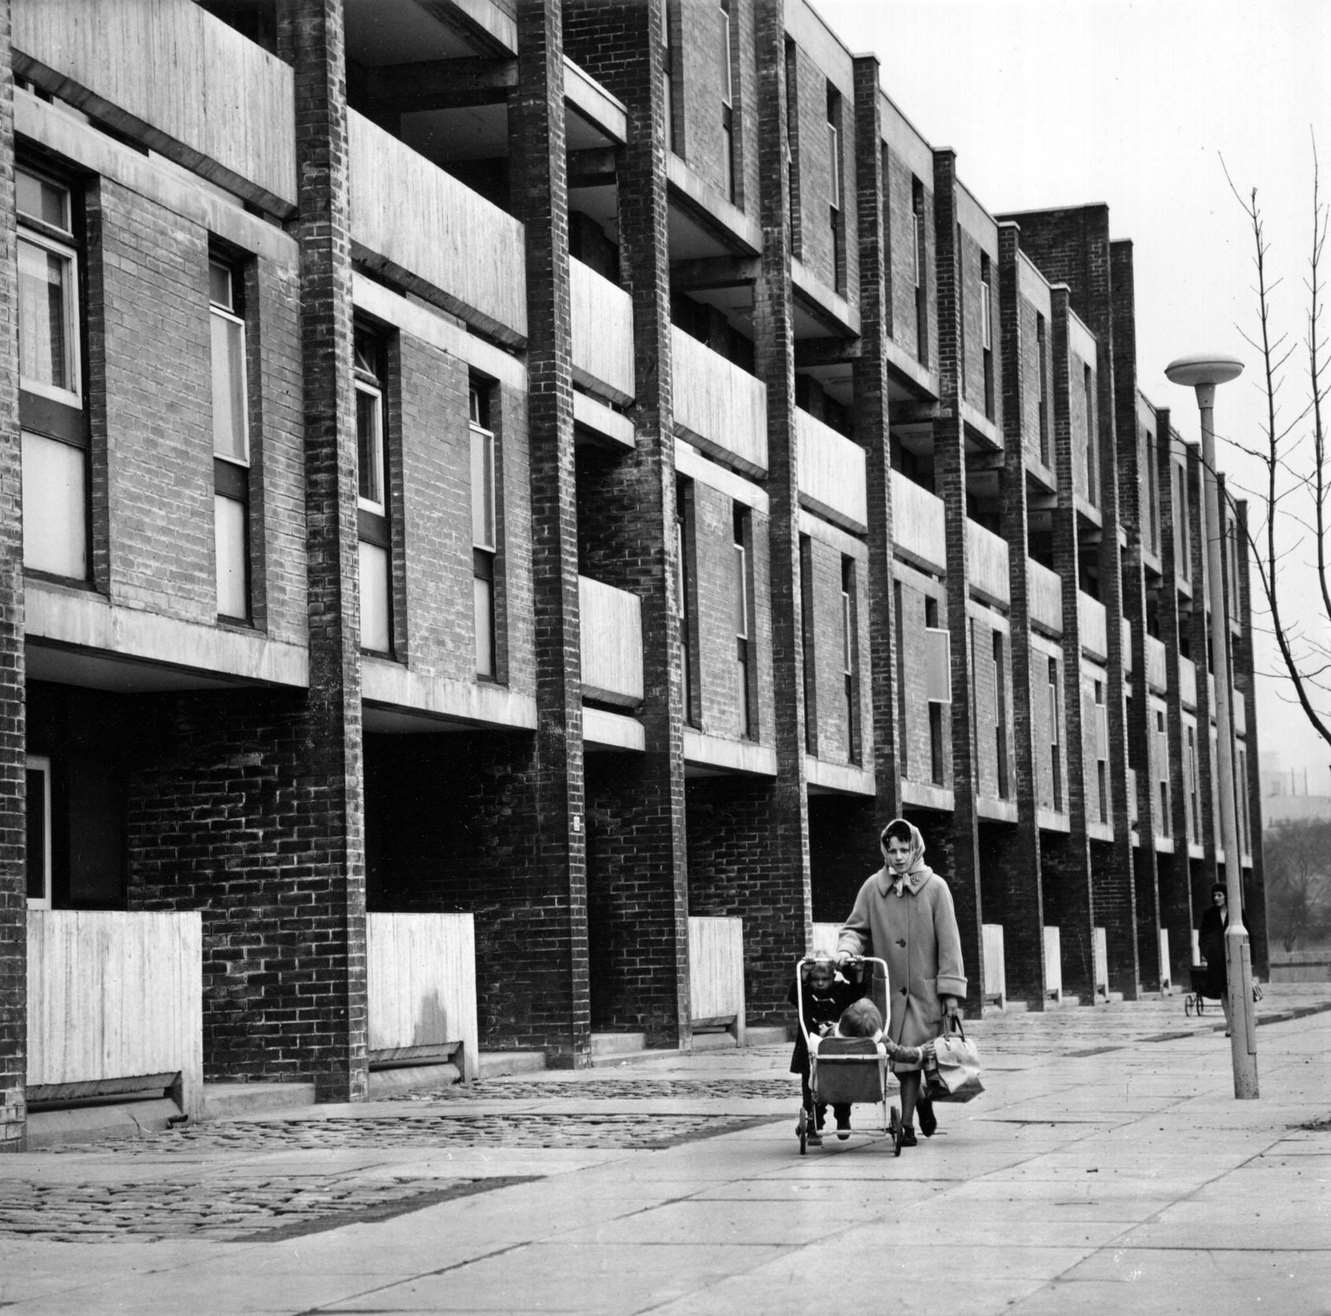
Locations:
{"points": [[952, 1066]]}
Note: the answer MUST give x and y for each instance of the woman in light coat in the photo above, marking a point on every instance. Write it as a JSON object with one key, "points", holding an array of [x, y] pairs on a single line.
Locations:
{"points": [[904, 915]]}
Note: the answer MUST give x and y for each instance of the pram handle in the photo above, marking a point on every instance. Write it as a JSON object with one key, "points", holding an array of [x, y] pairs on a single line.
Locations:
{"points": [[816, 959]]}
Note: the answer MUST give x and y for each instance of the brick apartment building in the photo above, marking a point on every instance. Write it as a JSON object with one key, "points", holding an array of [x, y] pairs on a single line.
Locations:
{"points": [[583, 466]]}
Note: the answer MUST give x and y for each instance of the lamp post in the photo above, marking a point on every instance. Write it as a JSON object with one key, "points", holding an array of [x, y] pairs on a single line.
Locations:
{"points": [[1203, 373]]}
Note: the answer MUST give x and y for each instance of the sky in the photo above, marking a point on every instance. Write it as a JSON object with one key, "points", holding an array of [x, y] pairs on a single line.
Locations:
{"points": [[1135, 103]]}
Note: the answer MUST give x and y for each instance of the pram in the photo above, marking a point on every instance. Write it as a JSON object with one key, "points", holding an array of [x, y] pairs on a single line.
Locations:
{"points": [[1195, 1001], [846, 1070]]}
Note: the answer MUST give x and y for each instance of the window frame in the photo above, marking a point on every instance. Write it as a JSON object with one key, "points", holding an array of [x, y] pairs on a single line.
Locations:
{"points": [[484, 549], [63, 242], [41, 763]]}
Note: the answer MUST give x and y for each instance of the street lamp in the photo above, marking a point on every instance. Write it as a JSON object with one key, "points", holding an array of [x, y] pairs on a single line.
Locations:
{"points": [[1203, 373]]}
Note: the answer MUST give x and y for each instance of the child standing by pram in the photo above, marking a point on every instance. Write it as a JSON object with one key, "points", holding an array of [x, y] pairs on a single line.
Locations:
{"points": [[824, 994]]}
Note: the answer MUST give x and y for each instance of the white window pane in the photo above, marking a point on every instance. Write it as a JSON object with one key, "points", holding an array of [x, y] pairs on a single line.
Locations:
{"points": [[374, 598], [55, 532], [482, 489], [230, 539], [483, 613], [230, 427], [741, 592], [47, 345], [370, 449], [38, 811], [42, 200]]}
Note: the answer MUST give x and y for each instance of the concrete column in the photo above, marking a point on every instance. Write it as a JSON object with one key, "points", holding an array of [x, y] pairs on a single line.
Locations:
{"points": [[552, 920], [1208, 873], [311, 38], [1066, 861], [13, 736], [950, 478], [640, 929], [872, 428], [1139, 727], [1174, 886], [1012, 889], [786, 898]]}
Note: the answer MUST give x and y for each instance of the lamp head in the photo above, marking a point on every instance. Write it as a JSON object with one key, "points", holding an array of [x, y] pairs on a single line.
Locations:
{"points": [[1204, 368]]}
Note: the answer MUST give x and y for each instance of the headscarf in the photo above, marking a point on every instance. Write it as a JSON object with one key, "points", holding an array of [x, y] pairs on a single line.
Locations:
{"points": [[917, 871]]}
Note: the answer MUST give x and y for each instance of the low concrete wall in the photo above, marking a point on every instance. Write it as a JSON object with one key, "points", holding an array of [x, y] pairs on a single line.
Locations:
{"points": [[1301, 966]]}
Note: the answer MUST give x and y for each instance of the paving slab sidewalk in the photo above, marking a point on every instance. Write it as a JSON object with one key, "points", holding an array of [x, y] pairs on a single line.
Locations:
{"points": [[1107, 1168]]}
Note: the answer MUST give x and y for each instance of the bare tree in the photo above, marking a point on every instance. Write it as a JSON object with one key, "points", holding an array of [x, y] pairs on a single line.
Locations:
{"points": [[1288, 537]]}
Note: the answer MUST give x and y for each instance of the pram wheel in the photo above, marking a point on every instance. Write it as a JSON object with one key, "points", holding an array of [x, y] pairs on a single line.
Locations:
{"points": [[894, 1127], [1187, 1006], [802, 1128]]}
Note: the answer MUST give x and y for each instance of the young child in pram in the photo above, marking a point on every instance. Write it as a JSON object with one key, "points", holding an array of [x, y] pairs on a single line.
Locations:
{"points": [[833, 1004]]}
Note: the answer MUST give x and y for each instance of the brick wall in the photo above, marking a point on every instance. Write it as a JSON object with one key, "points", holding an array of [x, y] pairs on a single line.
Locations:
{"points": [[914, 660], [13, 871], [228, 814], [736, 869], [454, 824]]}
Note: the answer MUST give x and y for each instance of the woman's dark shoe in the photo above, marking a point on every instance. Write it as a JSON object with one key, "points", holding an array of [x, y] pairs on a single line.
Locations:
{"points": [[908, 1136], [924, 1108]]}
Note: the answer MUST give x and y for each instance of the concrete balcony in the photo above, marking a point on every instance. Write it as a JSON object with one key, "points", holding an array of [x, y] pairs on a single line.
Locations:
{"points": [[831, 474], [722, 408], [1187, 682], [611, 627], [1044, 594], [987, 563], [173, 75], [417, 223], [1091, 618], [1157, 677], [602, 316], [917, 523]]}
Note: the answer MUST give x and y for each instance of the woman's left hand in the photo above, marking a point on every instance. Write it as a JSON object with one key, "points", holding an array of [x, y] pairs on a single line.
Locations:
{"points": [[950, 1006]]}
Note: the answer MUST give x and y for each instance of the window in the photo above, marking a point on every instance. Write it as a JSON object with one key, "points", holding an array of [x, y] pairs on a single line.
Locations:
{"points": [[372, 481], [1055, 736], [38, 810], [1102, 751], [484, 534], [850, 665], [935, 659], [1194, 796], [1245, 838], [919, 266], [51, 415], [1151, 516], [745, 675], [793, 150], [728, 102], [1092, 438], [1162, 759], [899, 652], [1000, 716], [808, 646], [987, 331], [836, 199], [686, 599], [1182, 537], [231, 441], [1042, 389], [669, 71]]}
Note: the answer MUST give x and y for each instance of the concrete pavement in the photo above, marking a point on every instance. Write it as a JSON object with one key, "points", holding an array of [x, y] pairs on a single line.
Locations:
{"points": [[1107, 1168]]}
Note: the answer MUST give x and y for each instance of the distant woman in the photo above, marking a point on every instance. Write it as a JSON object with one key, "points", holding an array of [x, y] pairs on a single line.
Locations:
{"points": [[904, 915], [1211, 943]]}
